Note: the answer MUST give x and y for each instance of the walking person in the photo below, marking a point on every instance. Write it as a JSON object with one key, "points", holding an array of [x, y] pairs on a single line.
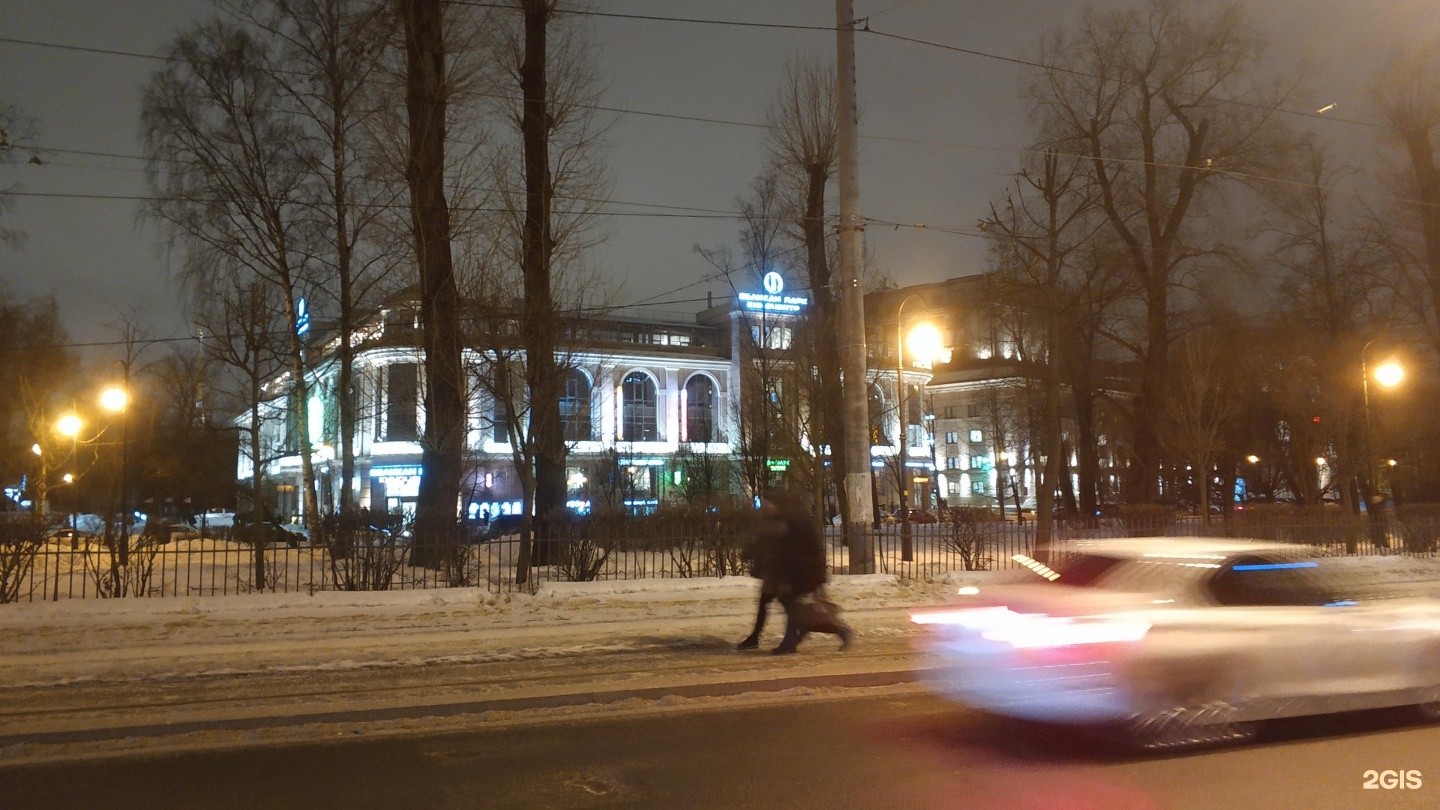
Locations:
{"points": [[788, 557]]}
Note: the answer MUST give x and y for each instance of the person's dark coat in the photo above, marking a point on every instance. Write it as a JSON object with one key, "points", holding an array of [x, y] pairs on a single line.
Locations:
{"points": [[788, 557]]}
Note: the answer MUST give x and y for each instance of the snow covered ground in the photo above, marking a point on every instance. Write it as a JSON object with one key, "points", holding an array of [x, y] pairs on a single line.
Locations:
{"points": [[75, 666]]}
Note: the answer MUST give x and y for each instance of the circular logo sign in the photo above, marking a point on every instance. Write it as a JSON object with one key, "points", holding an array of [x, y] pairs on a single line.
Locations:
{"points": [[773, 283]]}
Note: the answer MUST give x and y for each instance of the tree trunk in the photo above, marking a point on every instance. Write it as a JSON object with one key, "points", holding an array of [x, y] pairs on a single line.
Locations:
{"points": [[443, 440], [537, 243]]}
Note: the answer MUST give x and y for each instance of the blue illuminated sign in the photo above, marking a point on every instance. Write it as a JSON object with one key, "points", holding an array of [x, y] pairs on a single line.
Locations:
{"points": [[773, 299]]}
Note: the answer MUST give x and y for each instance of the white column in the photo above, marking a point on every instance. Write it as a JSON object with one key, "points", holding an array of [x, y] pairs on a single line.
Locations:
{"points": [[605, 383]]}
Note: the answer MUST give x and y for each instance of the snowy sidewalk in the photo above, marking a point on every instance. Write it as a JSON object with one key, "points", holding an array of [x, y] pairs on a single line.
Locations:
{"points": [[98, 669]]}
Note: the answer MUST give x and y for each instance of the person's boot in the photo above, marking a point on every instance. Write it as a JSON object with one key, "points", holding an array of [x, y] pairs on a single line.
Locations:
{"points": [[749, 643], [846, 635], [786, 649]]}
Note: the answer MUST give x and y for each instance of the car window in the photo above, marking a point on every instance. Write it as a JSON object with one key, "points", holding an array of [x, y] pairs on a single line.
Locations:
{"points": [[1267, 581]]}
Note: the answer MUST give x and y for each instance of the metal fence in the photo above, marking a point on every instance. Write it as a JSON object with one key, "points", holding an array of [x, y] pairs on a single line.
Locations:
{"points": [[218, 566]]}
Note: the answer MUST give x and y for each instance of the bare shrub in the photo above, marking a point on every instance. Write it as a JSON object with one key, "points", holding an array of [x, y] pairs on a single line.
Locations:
{"points": [[965, 534], [360, 556], [21, 539], [121, 566]]}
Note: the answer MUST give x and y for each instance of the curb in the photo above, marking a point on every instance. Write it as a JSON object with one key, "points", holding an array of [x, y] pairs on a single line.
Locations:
{"points": [[724, 689]]}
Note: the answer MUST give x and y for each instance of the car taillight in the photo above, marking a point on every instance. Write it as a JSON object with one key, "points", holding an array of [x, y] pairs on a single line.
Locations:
{"points": [[1052, 631]]}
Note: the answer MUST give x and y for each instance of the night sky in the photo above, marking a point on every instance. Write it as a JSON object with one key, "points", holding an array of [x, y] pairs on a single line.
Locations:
{"points": [[941, 128]]}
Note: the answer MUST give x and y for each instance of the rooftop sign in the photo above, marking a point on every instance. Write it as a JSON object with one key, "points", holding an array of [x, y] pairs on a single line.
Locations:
{"points": [[773, 299]]}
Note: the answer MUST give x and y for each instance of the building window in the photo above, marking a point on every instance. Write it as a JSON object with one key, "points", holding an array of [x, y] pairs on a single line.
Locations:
{"points": [[639, 410], [772, 337], [951, 437], [700, 409], [977, 436], [974, 409], [979, 486], [950, 412], [875, 403], [575, 407], [402, 389], [914, 406]]}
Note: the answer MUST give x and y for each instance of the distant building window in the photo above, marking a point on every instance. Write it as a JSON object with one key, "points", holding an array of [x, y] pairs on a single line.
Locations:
{"points": [[979, 486], [639, 409], [402, 389], [700, 409], [772, 337], [575, 407], [950, 412], [914, 406], [974, 409], [875, 404], [951, 437], [977, 436]]}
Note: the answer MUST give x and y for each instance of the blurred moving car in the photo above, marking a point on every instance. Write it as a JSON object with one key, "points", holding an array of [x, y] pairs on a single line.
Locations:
{"points": [[1179, 642]]}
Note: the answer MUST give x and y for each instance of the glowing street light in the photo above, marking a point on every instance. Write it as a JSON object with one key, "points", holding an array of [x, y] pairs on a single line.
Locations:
{"points": [[1388, 375], [114, 399], [1253, 459], [924, 346], [69, 425]]}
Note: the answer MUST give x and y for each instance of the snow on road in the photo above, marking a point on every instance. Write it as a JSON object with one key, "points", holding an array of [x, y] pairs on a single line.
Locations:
{"points": [[80, 665]]}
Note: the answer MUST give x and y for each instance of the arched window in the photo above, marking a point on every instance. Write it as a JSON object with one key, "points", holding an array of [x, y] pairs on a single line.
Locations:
{"points": [[700, 409], [875, 402], [638, 422], [575, 407]]}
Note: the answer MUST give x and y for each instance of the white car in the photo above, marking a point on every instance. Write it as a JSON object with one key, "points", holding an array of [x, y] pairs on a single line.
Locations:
{"points": [[1181, 641]]}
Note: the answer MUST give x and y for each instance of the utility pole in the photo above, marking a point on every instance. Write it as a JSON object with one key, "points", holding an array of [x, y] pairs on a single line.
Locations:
{"points": [[858, 538]]}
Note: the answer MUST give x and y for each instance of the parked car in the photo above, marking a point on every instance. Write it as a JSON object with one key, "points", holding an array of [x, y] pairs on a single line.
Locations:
{"points": [[1181, 642], [216, 519], [922, 516], [74, 538], [500, 526], [164, 530]]}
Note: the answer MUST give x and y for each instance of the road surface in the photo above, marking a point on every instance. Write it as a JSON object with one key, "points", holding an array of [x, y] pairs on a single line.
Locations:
{"points": [[874, 748]]}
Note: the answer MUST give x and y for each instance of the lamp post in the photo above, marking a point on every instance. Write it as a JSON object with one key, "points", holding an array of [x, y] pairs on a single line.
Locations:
{"points": [[1388, 375], [923, 339], [116, 399], [69, 425]]}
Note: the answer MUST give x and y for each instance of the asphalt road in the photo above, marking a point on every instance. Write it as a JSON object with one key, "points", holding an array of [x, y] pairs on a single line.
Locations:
{"points": [[876, 751]]}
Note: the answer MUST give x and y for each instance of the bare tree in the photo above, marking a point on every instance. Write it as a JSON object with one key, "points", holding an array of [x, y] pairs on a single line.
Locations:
{"points": [[1050, 216], [1145, 96], [804, 152], [17, 133], [442, 447], [1409, 104], [33, 359], [1328, 290], [1203, 406], [241, 326], [230, 180], [327, 58]]}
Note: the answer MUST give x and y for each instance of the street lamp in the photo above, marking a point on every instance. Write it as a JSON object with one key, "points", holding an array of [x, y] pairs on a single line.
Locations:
{"points": [[924, 345], [70, 425], [1388, 375], [116, 399]]}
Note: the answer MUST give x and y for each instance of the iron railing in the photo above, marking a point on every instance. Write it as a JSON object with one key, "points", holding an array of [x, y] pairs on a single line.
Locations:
{"points": [[219, 566]]}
